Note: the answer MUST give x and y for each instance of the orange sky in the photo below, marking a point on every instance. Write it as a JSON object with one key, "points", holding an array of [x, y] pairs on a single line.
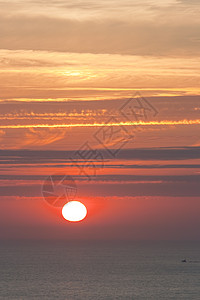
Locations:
{"points": [[69, 73]]}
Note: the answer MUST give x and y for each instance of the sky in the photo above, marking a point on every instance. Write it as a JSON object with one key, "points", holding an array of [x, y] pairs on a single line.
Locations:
{"points": [[106, 92]]}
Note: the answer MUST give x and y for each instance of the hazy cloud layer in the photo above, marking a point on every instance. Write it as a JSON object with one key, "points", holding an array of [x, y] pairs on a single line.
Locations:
{"points": [[179, 153], [129, 27]]}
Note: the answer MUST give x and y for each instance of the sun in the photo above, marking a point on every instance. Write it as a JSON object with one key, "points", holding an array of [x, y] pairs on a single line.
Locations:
{"points": [[74, 211]]}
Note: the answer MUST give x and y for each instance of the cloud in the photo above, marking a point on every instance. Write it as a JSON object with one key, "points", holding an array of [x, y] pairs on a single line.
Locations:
{"points": [[51, 76], [34, 138], [119, 189], [141, 154], [125, 136], [189, 2], [80, 9], [108, 179], [47, 136], [134, 29]]}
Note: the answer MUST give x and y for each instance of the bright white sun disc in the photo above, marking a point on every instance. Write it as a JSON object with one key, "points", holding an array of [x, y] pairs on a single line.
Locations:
{"points": [[74, 211]]}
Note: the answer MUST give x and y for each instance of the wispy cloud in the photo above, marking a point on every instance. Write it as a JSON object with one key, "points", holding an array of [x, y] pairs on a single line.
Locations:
{"points": [[41, 76], [117, 124]]}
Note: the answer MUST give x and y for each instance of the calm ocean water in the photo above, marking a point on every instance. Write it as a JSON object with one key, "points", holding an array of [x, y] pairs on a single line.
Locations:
{"points": [[101, 270]]}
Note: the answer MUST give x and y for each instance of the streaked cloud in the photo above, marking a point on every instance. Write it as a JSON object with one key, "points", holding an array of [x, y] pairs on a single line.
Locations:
{"points": [[96, 125], [36, 76], [23, 156]]}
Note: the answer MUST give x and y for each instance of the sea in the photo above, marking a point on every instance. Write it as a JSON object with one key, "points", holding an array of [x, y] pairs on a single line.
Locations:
{"points": [[99, 270]]}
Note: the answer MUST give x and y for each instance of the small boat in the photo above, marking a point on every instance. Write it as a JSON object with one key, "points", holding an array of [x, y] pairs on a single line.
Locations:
{"points": [[184, 260]]}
